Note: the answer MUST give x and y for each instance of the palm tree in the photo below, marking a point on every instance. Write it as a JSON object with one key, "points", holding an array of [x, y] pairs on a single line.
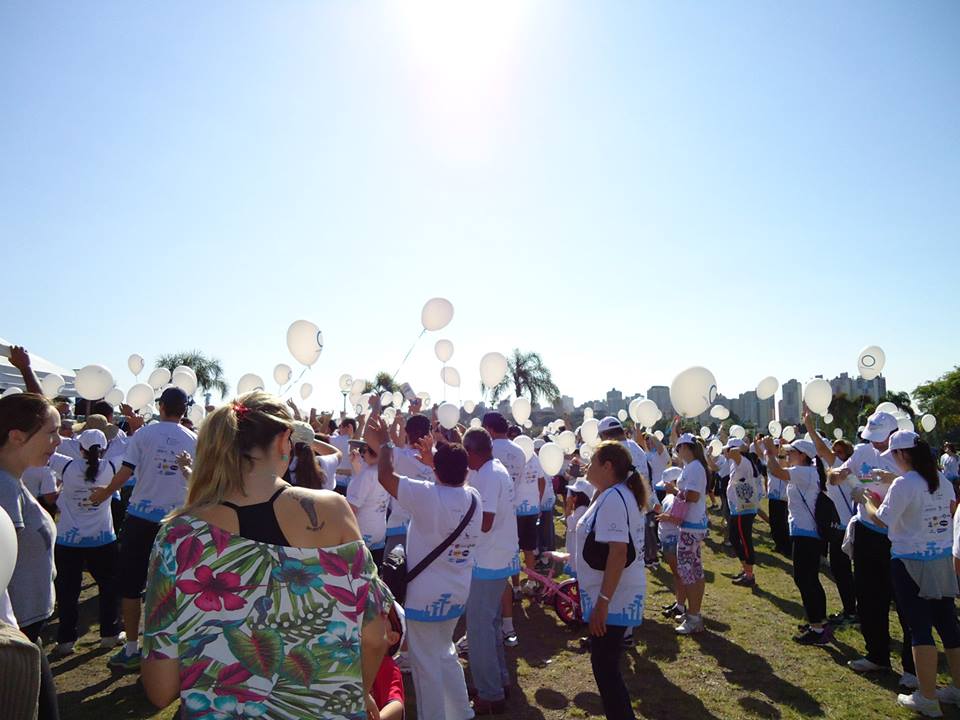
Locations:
{"points": [[209, 370], [382, 382], [526, 373]]}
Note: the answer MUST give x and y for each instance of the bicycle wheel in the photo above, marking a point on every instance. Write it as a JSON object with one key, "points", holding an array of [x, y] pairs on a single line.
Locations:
{"points": [[568, 612]]}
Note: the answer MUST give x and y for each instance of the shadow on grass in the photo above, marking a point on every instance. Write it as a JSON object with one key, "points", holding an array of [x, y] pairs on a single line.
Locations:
{"points": [[790, 607], [125, 701]]}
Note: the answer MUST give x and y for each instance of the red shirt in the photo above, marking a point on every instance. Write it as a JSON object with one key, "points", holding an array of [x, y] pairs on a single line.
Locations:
{"points": [[388, 685]]}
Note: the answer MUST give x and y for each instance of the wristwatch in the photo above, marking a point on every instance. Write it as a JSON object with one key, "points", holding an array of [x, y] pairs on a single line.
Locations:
{"points": [[389, 445]]}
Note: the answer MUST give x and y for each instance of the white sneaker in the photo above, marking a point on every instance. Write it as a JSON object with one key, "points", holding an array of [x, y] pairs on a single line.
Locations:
{"points": [[510, 638], [529, 588], [949, 694], [403, 663], [862, 665], [909, 681], [113, 641], [918, 703], [462, 646], [691, 624], [62, 650]]}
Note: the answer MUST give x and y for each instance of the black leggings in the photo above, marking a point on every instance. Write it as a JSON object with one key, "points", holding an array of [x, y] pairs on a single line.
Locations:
{"points": [[779, 529], [102, 562], [47, 704], [842, 572], [807, 552], [741, 535], [923, 615], [605, 655]]}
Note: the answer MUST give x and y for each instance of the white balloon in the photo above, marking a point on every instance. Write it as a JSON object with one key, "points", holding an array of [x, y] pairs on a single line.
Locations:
{"points": [[828, 419], [282, 374], [449, 415], [622, 415], [249, 383], [693, 391], [587, 413], [196, 414], [135, 364], [568, 441], [114, 397], [737, 431], [528, 424], [346, 382], [774, 428], [590, 431], [659, 435], [493, 366], [436, 314], [185, 369], [398, 399], [139, 396], [450, 376], [306, 390], [817, 396], [51, 385], [521, 410], [443, 350], [719, 412], [386, 398], [12, 390], [551, 459], [887, 407], [645, 413], [357, 387], [704, 432], [185, 381], [424, 399], [389, 415], [305, 342], [475, 423], [149, 411], [716, 447], [526, 444], [838, 433], [586, 452], [870, 362], [928, 422], [8, 550], [767, 387], [789, 434], [159, 377], [93, 382], [905, 424], [469, 406]]}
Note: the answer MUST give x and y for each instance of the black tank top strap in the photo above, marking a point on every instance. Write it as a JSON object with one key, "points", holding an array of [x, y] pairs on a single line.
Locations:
{"points": [[259, 521]]}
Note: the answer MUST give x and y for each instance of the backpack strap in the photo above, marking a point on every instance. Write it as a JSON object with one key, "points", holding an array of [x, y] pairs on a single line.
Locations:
{"points": [[439, 549]]}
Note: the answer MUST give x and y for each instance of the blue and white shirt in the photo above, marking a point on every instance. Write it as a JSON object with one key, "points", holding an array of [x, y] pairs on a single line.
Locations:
{"points": [[613, 517], [919, 522], [497, 550], [370, 499], [405, 463], [864, 460], [802, 500], [81, 523], [152, 454], [528, 489], [694, 477], [745, 489]]}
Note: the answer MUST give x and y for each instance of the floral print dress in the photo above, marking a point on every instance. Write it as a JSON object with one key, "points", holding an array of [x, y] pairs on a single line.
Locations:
{"points": [[261, 631]]}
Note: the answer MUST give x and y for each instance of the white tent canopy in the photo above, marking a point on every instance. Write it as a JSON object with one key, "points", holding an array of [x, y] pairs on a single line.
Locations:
{"points": [[10, 376]]}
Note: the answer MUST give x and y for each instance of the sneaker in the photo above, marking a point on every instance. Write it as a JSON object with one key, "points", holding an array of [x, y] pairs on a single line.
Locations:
{"points": [[510, 639], [113, 640], [909, 681], [124, 661], [62, 650], [529, 588], [671, 606], [403, 663], [812, 637], [690, 625], [516, 593], [628, 641], [918, 703], [739, 575], [462, 647], [949, 694], [745, 581], [670, 611], [680, 615], [862, 665]]}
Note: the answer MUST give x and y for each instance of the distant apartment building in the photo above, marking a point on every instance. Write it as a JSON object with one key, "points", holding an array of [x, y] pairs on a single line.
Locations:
{"points": [[855, 387], [615, 401], [660, 394], [564, 404], [791, 406]]}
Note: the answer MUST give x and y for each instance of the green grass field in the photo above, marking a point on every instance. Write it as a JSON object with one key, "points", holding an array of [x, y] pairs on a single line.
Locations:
{"points": [[745, 666]]}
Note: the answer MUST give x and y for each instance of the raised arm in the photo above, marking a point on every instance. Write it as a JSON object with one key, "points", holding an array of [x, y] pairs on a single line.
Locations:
{"points": [[823, 450], [20, 359], [377, 436], [773, 462]]}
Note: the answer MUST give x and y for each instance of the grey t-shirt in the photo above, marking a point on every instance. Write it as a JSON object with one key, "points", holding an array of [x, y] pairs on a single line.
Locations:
{"points": [[31, 587]]}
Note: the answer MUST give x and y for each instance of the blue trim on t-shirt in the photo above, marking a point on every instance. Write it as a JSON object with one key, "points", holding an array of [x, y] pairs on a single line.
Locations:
{"points": [[438, 612], [527, 510], [693, 526], [70, 539], [153, 514], [397, 530], [803, 532], [874, 528], [497, 573], [742, 512], [924, 556]]}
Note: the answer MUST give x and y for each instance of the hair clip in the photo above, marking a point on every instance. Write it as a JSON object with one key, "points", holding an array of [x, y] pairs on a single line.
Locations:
{"points": [[239, 409]]}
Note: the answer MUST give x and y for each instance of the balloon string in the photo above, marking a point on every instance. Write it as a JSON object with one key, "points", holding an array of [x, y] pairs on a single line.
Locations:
{"points": [[290, 386], [408, 352]]}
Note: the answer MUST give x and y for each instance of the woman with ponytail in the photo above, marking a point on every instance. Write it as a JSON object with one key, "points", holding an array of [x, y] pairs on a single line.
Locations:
{"points": [[805, 478], [743, 493], [610, 569], [86, 538], [251, 561], [917, 511]]}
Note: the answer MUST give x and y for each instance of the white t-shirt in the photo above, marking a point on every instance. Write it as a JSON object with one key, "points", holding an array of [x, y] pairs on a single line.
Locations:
{"points": [[328, 465], [639, 458], [70, 447], [745, 489], [864, 459], [405, 463], [613, 517], [956, 533], [342, 443], [496, 555], [802, 500], [668, 532], [40, 480], [919, 522], [840, 495], [440, 591], [724, 467], [370, 499], [950, 464], [152, 454], [528, 489], [549, 498], [81, 523], [571, 537], [658, 463], [694, 477], [6, 610], [511, 456]]}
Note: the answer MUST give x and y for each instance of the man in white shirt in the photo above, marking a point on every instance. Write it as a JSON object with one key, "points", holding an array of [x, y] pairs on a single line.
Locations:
{"points": [[341, 440], [496, 560]]}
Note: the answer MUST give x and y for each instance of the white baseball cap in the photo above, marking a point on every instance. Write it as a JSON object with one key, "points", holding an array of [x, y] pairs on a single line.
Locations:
{"points": [[670, 474], [609, 423], [581, 485], [879, 427], [733, 444], [302, 433], [686, 439], [903, 440], [804, 446], [90, 438]]}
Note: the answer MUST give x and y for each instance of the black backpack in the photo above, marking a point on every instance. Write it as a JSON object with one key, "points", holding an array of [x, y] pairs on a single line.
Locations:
{"points": [[826, 518]]}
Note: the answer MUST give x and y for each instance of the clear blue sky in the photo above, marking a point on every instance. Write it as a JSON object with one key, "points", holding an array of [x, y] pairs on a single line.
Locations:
{"points": [[628, 188]]}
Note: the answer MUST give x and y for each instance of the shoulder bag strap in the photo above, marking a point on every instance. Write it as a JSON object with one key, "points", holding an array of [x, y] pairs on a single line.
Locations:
{"points": [[627, 509], [439, 549]]}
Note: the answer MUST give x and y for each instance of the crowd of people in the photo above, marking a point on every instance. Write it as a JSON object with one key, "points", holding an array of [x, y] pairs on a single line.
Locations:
{"points": [[286, 565]]}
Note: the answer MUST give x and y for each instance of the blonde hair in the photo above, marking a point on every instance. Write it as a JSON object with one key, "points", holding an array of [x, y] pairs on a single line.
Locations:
{"points": [[226, 438]]}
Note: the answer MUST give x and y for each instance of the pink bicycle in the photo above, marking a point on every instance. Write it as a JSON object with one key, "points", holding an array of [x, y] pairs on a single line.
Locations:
{"points": [[563, 596]]}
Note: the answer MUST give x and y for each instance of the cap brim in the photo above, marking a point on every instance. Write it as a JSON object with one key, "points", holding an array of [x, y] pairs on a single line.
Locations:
{"points": [[874, 435]]}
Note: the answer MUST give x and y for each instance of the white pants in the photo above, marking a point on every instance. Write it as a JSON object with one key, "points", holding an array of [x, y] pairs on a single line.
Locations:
{"points": [[437, 675]]}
